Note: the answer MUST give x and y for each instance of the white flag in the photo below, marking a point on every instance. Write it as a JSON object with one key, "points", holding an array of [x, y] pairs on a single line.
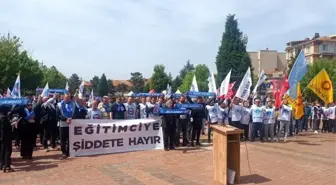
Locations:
{"points": [[244, 88], [67, 86], [16, 91], [194, 86], [81, 90], [45, 91], [224, 88], [168, 91], [261, 80], [212, 83]]}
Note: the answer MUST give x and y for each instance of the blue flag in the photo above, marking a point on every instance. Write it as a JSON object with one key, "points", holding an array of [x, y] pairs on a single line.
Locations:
{"points": [[147, 94], [195, 93], [188, 106], [13, 101], [299, 70], [174, 111]]}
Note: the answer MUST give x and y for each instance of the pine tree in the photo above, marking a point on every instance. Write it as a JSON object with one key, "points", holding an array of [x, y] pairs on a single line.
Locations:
{"points": [[103, 86], [159, 78], [74, 83], [232, 53]]}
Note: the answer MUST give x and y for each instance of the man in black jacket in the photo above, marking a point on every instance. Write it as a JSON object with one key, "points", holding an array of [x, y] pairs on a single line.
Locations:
{"points": [[48, 121], [197, 114], [5, 139]]}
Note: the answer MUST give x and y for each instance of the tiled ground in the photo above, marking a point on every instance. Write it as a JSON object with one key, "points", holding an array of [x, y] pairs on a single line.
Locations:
{"points": [[308, 159]]}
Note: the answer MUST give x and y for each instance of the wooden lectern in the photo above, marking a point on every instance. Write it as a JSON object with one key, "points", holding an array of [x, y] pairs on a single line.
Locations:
{"points": [[226, 152]]}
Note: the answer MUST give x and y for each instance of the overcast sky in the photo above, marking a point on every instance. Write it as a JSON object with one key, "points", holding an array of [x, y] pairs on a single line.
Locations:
{"points": [[117, 37]]}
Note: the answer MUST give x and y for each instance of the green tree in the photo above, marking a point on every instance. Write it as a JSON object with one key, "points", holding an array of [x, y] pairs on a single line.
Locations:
{"points": [[13, 60], [202, 74], [52, 76], [95, 82], [177, 82], [186, 82], [159, 78], [74, 83], [122, 88], [186, 68], [137, 81], [111, 88], [103, 88], [314, 68], [232, 53], [146, 87]]}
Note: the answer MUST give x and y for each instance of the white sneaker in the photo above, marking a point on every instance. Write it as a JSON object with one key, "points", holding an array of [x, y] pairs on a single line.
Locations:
{"points": [[315, 132]]}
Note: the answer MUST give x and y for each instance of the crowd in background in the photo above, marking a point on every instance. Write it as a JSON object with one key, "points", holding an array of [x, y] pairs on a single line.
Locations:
{"points": [[46, 120]]}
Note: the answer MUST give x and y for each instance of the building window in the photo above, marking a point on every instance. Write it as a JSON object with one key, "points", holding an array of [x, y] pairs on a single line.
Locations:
{"points": [[324, 47]]}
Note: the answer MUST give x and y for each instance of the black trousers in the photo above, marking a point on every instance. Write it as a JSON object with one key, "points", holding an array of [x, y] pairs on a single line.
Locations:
{"points": [[330, 125], [210, 131], [183, 127], [5, 153], [169, 131], [196, 130], [325, 125], [16, 135], [49, 131], [27, 137], [235, 124], [64, 136], [246, 131]]}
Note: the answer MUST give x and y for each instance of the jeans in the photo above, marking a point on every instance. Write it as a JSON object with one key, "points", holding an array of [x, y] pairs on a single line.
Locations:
{"points": [[305, 122], [257, 126], [332, 125], [298, 125], [284, 125]]}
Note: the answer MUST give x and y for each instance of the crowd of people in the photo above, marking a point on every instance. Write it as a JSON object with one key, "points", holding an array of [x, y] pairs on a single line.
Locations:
{"points": [[46, 120]]}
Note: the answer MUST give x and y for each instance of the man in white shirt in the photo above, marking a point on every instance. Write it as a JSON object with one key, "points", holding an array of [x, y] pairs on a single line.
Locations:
{"points": [[94, 112], [257, 112], [285, 117], [236, 110], [131, 109]]}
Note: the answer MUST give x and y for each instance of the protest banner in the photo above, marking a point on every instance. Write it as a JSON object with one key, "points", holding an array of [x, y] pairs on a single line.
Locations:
{"points": [[93, 137]]}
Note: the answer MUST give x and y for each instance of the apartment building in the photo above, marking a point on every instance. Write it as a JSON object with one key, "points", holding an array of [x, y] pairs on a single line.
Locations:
{"points": [[315, 48], [271, 61]]}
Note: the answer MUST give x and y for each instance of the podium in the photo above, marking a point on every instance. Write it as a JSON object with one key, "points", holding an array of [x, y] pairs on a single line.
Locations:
{"points": [[226, 152]]}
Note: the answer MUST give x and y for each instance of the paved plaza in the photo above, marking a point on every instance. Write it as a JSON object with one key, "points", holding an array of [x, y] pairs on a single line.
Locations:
{"points": [[307, 159]]}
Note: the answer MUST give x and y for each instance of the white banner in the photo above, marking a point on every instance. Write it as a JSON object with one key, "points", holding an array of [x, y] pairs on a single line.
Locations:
{"points": [[92, 137]]}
